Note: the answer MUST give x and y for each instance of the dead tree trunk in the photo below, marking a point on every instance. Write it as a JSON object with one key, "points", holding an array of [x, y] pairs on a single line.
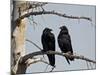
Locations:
{"points": [[18, 45]]}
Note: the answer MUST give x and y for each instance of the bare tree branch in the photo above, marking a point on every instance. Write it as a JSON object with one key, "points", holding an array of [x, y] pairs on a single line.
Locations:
{"points": [[54, 13], [29, 5], [56, 53]]}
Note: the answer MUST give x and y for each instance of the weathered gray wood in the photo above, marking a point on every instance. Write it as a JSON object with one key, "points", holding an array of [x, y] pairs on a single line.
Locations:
{"points": [[18, 46], [56, 53]]}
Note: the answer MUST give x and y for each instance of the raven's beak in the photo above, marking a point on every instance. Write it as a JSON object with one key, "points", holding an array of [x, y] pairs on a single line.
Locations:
{"points": [[51, 30]]}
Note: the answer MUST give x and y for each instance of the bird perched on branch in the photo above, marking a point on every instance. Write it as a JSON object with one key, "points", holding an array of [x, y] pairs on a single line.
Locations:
{"points": [[64, 42], [48, 42]]}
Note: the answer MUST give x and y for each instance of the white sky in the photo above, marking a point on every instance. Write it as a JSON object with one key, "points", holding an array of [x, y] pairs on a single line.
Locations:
{"points": [[82, 33]]}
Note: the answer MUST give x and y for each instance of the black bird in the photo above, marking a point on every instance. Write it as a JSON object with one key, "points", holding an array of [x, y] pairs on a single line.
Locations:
{"points": [[48, 42], [64, 42]]}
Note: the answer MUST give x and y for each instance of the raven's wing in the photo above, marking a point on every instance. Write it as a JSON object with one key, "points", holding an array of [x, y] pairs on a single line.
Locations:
{"points": [[44, 42], [61, 40], [51, 41], [48, 41], [67, 44], [66, 40]]}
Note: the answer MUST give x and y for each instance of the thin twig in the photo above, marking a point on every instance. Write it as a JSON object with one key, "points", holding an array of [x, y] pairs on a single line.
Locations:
{"points": [[46, 68], [34, 44], [91, 65], [87, 65]]}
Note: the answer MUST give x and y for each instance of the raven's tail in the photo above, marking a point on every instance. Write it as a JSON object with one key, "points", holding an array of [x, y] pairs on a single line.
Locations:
{"points": [[51, 59], [67, 60]]}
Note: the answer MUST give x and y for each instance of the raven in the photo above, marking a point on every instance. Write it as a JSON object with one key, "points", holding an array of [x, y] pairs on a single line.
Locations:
{"points": [[64, 42], [48, 43]]}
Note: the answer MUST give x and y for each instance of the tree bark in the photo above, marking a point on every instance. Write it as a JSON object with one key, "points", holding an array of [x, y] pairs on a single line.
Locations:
{"points": [[18, 44]]}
